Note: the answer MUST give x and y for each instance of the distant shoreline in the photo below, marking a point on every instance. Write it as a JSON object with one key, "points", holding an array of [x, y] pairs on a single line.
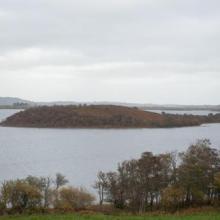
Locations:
{"points": [[11, 108], [142, 108]]}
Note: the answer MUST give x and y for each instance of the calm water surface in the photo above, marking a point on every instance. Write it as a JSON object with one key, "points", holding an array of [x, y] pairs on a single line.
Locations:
{"points": [[4, 113], [81, 153], [190, 112]]}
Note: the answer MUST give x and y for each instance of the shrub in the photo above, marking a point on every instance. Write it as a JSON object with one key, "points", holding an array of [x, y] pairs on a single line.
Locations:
{"points": [[74, 198]]}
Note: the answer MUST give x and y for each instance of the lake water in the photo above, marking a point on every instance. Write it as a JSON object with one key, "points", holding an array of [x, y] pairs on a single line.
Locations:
{"points": [[4, 113], [81, 153], [182, 112]]}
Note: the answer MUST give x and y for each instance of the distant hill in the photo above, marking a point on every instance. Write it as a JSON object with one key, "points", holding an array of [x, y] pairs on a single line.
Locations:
{"points": [[17, 102], [180, 107], [101, 116], [12, 101]]}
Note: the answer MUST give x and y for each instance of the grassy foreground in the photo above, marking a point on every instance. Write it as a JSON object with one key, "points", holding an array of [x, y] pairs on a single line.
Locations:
{"points": [[208, 216]]}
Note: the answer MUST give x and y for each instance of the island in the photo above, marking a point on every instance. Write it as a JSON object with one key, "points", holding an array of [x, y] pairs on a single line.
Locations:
{"points": [[102, 116]]}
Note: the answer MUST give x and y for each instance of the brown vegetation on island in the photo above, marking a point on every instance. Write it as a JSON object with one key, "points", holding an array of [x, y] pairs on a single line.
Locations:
{"points": [[101, 116]]}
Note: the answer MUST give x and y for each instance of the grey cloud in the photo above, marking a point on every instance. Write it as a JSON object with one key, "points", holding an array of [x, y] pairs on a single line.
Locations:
{"points": [[112, 42]]}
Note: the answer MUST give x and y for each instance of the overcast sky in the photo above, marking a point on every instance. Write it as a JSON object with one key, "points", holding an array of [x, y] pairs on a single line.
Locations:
{"points": [[147, 51]]}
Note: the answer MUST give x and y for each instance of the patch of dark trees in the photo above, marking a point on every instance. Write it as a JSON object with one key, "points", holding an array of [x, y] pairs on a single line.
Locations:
{"points": [[168, 181]]}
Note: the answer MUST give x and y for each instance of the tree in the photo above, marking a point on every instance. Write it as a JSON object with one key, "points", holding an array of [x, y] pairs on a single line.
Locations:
{"points": [[20, 195], [60, 180], [173, 197], [101, 185], [47, 191], [44, 185], [197, 170]]}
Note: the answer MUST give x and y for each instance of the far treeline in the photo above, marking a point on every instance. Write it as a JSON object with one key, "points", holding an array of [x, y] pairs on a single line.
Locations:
{"points": [[102, 116], [168, 181]]}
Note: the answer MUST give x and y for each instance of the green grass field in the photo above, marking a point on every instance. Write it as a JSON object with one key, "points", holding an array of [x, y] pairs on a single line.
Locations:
{"points": [[211, 216]]}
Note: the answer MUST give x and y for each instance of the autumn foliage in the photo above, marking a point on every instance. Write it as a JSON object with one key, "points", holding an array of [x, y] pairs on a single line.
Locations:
{"points": [[167, 181], [101, 116]]}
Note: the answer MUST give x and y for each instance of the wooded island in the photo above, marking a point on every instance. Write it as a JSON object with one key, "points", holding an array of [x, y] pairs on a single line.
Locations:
{"points": [[102, 116]]}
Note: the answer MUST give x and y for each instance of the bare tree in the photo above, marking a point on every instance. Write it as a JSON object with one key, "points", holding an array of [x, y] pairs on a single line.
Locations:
{"points": [[101, 185]]}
